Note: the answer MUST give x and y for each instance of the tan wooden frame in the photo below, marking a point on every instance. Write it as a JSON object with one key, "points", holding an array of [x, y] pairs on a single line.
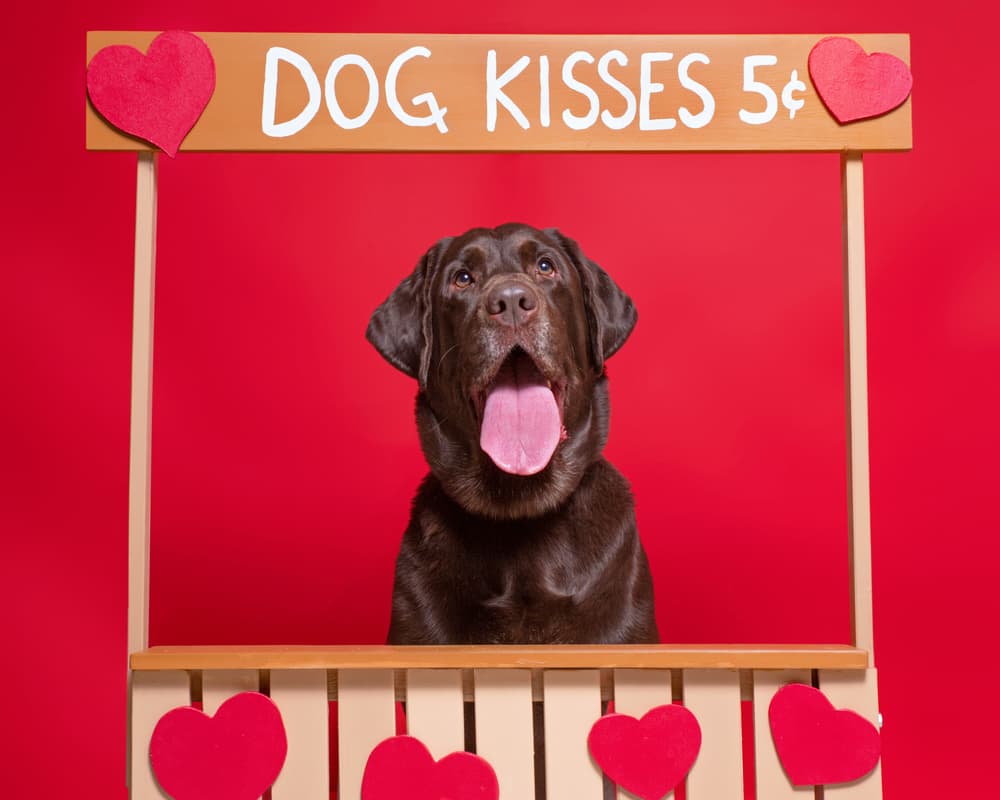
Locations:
{"points": [[847, 670]]}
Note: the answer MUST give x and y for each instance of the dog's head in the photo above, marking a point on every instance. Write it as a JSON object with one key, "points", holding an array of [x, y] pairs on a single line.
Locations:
{"points": [[507, 331]]}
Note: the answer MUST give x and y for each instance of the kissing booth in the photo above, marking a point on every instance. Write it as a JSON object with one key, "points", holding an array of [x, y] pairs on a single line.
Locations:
{"points": [[517, 722]]}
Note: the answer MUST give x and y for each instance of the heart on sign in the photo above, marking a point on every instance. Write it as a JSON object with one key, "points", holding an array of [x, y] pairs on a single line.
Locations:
{"points": [[649, 756], [817, 743], [402, 766], [234, 755], [854, 85], [158, 96]]}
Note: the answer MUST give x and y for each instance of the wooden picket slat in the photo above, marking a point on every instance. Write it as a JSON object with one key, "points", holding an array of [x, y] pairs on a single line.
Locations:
{"points": [[504, 733], [434, 709], [859, 693], [301, 697], [713, 696], [219, 685], [637, 691], [153, 695], [366, 715], [572, 705], [772, 782]]}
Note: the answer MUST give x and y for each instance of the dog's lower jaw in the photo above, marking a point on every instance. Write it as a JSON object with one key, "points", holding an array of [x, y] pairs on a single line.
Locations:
{"points": [[474, 482]]}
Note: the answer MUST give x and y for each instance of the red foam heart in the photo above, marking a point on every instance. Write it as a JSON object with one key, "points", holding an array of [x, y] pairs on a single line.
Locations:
{"points": [[854, 85], [650, 756], [402, 766], [234, 755], [817, 743], [158, 96]]}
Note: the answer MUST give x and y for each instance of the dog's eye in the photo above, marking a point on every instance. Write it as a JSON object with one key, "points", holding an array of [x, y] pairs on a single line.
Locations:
{"points": [[546, 267], [462, 279]]}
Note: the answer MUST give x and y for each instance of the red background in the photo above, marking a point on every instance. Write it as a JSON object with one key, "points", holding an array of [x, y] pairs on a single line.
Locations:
{"points": [[284, 449]]}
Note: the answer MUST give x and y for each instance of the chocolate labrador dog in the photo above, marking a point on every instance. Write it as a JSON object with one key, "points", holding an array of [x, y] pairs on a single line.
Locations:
{"points": [[522, 532]]}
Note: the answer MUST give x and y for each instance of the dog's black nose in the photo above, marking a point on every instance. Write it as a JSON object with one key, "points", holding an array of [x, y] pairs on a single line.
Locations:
{"points": [[511, 304]]}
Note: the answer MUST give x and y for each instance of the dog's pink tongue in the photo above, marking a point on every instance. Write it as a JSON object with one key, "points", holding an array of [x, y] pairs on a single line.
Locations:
{"points": [[521, 425]]}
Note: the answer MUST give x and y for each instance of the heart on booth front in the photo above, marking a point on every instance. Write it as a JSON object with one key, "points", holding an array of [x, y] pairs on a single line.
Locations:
{"points": [[157, 96], [403, 767], [236, 754], [648, 757], [818, 744], [854, 85]]}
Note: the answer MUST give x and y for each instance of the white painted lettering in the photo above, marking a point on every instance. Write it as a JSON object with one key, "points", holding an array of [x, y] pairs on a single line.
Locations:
{"points": [[495, 93], [544, 104], [573, 121], [330, 87], [269, 125], [648, 87], [750, 84], [625, 119], [703, 117], [436, 115]]}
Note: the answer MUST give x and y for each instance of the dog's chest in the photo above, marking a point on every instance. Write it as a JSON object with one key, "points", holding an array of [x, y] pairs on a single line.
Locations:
{"points": [[533, 593]]}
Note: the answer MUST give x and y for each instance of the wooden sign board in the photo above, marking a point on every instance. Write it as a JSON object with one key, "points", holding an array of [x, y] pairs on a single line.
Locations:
{"points": [[426, 92]]}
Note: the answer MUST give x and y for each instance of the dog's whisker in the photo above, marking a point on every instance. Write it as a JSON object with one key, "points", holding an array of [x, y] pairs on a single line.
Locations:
{"points": [[438, 424], [444, 355]]}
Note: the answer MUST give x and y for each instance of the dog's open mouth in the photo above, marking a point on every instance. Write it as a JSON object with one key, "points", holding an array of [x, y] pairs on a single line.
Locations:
{"points": [[521, 413]]}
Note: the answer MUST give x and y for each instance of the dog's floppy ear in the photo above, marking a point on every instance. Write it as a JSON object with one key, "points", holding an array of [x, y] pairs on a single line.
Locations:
{"points": [[400, 329], [611, 313]]}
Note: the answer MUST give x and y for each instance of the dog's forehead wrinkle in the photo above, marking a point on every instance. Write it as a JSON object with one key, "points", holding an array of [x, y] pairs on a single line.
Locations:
{"points": [[476, 247], [474, 255], [527, 249]]}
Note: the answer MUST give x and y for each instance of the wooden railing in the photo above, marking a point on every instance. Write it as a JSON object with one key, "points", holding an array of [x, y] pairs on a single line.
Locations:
{"points": [[526, 709]]}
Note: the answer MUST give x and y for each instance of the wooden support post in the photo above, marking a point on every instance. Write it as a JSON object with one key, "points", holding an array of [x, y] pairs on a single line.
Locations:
{"points": [[141, 417], [142, 403], [856, 360]]}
